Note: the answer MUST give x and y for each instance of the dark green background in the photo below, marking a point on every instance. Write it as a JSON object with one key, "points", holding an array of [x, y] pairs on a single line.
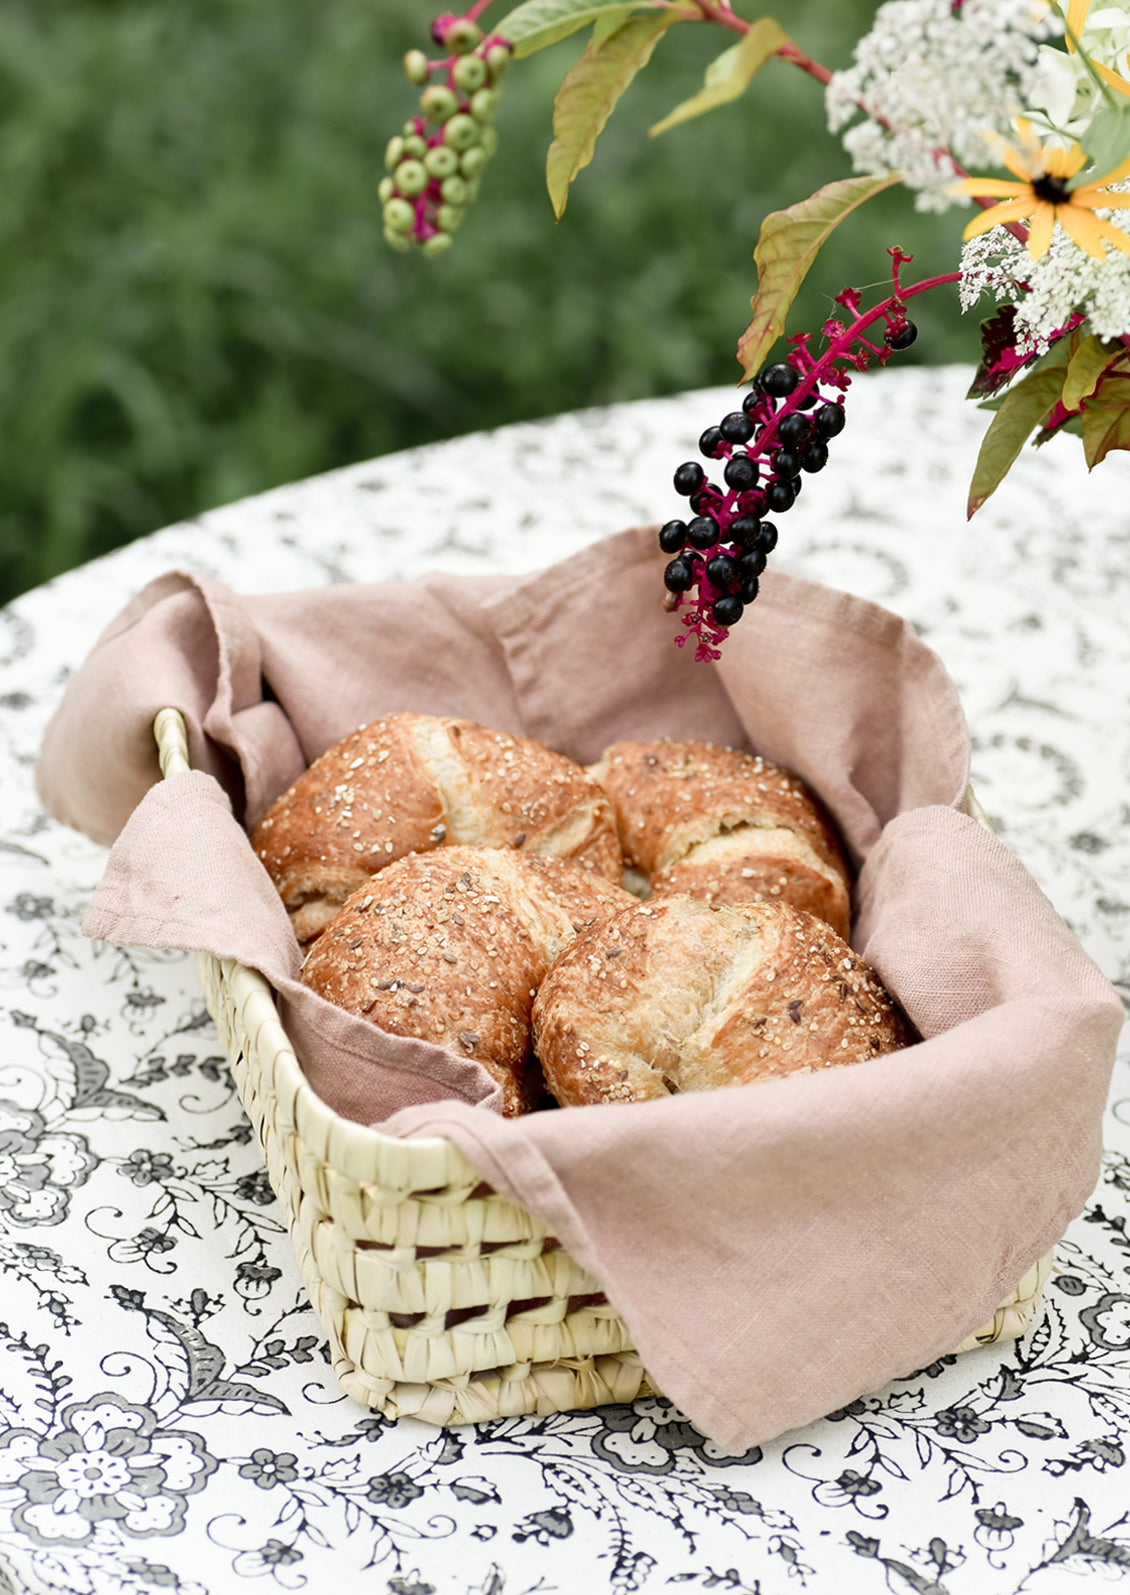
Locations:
{"points": [[196, 301]]}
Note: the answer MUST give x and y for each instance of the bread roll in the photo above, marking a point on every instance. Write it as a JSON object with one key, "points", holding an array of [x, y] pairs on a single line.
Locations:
{"points": [[675, 995], [724, 826], [450, 946], [411, 782]]}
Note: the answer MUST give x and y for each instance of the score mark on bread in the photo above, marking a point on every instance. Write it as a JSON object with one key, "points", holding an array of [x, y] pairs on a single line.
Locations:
{"points": [[725, 826], [676, 994], [408, 783]]}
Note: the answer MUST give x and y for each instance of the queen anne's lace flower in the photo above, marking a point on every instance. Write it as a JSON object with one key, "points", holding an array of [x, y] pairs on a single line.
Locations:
{"points": [[935, 76]]}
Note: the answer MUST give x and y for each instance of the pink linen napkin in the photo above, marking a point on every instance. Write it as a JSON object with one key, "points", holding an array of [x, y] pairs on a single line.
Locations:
{"points": [[777, 1249]]}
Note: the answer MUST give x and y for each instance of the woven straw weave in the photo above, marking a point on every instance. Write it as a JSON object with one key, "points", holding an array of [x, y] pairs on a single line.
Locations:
{"points": [[441, 1300]]}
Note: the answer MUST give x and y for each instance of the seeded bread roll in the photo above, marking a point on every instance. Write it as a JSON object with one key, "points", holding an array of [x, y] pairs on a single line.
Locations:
{"points": [[411, 782], [674, 995], [724, 826], [450, 946]]}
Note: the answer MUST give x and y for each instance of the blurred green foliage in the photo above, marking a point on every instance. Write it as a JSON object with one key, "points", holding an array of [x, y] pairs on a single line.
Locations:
{"points": [[196, 302]]}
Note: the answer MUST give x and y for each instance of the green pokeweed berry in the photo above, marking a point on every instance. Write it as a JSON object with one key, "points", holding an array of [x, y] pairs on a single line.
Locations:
{"points": [[439, 102], [497, 59], [414, 146], [441, 161], [472, 161], [461, 132], [484, 103], [448, 217], [411, 178], [399, 241], [454, 191], [462, 36], [469, 73], [436, 244], [488, 138], [416, 67], [399, 215], [394, 149], [386, 188]]}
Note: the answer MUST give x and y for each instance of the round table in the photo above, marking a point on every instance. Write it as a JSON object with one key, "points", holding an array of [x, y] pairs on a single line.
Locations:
{"points": [[168, 1420]]}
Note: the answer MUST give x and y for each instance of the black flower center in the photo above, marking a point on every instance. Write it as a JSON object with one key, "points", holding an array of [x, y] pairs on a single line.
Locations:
{"points": [[1052, 190]]}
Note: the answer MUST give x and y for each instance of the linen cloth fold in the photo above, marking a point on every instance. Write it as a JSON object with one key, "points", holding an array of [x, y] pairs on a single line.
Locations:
{"points": [[777, 1249]]}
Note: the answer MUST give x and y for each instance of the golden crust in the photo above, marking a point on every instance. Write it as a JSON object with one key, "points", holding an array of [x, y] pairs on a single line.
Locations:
{"points": [[450, 946], [675, 995], [724, 825], [409, 783]]}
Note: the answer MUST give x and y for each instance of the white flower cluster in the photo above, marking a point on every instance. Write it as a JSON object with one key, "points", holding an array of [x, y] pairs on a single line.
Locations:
{"points": [[933, 75], [1047, 292]]}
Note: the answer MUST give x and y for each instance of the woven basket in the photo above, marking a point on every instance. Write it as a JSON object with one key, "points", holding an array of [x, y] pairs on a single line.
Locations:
{"points": [[441, 1300]]}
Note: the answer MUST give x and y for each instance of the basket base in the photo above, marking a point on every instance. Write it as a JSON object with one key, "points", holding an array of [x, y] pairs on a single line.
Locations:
{"points": [[525, 1389]]}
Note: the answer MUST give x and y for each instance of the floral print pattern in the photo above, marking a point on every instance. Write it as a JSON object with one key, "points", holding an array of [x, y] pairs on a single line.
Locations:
{"points": [[169, 1420]]}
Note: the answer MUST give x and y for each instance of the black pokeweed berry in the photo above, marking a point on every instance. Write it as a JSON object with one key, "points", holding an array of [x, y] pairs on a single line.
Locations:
{"points": [[794, 430], [744, 530], [829, 420], [689, 478], [779, 496], [672, 536], [751, 564], [737, 427], [786, 462], [709, 442], [778, 381], [727, 610], [702, 532], [707, 501], [721, 570], [767, 537], [741, 473], [754, 401], [679, 576], [814, 455], [902, 337], [748, 590]]}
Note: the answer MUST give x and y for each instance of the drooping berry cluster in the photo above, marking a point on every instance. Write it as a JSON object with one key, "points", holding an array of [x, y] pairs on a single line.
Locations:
{"points": [[762, 454], [435, 165]]}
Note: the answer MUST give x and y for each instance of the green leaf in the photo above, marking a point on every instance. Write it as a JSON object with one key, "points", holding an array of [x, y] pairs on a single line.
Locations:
{"points": [[1106, 426], [588, 96], [539, 23], [730, 74], [1085, 370], [1107, 143], [789, 243], [1020, 413]]}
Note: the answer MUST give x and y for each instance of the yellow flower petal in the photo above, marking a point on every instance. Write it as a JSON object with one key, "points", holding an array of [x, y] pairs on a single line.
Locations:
{"points": [[1110, 77], [1064, 163], [989, 185], [1041, 230], [1013, 210], [1084, 229], [1097, 199], [1113, 235], [1119, 172], [1076, 18]]}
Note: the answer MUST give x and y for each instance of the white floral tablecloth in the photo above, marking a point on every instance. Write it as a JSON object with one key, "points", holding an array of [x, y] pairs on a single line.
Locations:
{"points": [[167, 1417]]}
